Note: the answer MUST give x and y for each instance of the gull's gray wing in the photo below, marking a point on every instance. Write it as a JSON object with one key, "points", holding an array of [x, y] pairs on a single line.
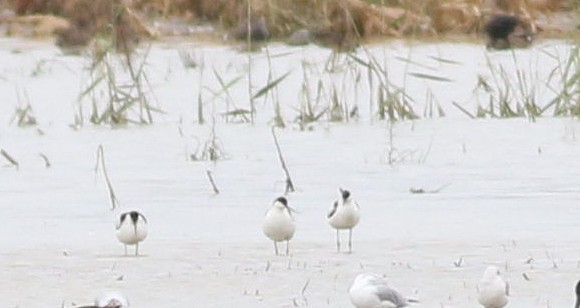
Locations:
{"points": [[387, 294]]}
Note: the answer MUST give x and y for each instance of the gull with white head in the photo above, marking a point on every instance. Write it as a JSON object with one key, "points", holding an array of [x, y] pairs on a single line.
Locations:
{"points": [[131, 229], [278, 224], [344, 215], [370, 290], [493, 290]]}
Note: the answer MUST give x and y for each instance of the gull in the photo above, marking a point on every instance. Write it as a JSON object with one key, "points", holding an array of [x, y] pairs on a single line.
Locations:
{"points": [[370, 290], [344, 215], [131, 229], [111, 299], [278, 223], [493, 290]]}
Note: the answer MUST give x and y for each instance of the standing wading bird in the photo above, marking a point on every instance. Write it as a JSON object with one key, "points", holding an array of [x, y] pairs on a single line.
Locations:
{"points": [[110, 300], [493, 290], [279, 224], [132, 229], [370, 290], [344, 215]]}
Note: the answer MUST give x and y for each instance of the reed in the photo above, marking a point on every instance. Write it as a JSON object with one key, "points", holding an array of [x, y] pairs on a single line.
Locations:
{"points": [[191, 61], [236, 114], [10, 159], [393, 102], [270, 90], [100, 161], [510, 91], [23, 115], [118, 90], [212, 149], [311, 107], [289, 187], [567, 97]]}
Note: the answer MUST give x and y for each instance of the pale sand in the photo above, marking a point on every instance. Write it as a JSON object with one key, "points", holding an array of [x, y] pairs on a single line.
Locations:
{"points": [[192, 274]]}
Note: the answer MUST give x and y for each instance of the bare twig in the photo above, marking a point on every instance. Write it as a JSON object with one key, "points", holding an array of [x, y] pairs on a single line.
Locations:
{"points": [[526, 277], [471, 116], [459, 262], [304, 287], [212, 182], [414, 190], [101, 159], [46, 161], [289, 184], [9, 158]]}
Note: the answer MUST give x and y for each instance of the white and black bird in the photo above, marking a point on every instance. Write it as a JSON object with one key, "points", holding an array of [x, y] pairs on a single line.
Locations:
{"points": [[111, 299], [370, 290], [131, 229], [493, 290], [344, 215], [278, 223]]}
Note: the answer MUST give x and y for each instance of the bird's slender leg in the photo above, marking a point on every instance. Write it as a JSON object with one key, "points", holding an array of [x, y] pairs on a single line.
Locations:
{"points": [[350, 240], [276, 247], [287, 247], [337, 241], [137, 249], [125, 249]]}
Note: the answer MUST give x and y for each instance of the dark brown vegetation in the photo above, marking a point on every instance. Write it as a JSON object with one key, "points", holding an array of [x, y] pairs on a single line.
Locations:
{"points": [[341, 23]]}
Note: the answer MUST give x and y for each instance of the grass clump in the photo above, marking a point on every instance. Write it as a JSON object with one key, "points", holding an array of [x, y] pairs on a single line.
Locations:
{"points": [[567, 100], [511, 92], [116, 92]]}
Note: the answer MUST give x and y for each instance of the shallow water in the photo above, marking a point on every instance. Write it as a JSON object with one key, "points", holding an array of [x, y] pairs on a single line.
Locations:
{"points": [[509, 186]]}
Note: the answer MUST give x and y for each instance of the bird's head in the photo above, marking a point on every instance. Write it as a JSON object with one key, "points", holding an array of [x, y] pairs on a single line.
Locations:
{"points": [[345, 194]]}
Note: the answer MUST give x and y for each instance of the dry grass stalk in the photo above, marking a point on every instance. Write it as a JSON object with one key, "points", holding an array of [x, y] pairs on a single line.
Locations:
{"points": [[47, 163], [289, 184], [9, 158], [101, 162], [212, 182]]}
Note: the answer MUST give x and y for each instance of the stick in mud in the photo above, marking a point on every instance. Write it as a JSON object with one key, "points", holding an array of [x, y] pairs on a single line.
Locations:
{"points": [[10, 159], [212, 182], [101, 158], [46, 161], [289, 184]]}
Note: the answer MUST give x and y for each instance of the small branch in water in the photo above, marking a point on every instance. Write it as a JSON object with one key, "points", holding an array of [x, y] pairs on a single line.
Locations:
{"points": [[212, 182], [101, 159], [289, 184], [459, 262], [46, 161], [10, 159], [414, 190]]}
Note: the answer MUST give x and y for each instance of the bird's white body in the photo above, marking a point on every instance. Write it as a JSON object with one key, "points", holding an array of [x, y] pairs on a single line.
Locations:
{"points": [[346, 215], [372, 291], [278, 223], [493, 290], [131, 229]]}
